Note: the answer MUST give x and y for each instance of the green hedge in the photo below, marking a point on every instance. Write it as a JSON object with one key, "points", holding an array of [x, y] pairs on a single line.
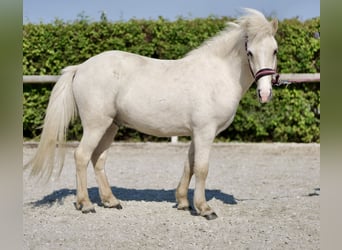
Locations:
{"points": [[293, 115]]}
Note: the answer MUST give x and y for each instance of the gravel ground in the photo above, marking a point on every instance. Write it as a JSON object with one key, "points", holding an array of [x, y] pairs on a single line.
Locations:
{"points": [[266, 197]]}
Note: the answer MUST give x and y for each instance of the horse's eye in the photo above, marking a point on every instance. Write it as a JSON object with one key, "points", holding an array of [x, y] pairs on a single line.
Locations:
{"points": [[275, 52], [249, 53]]}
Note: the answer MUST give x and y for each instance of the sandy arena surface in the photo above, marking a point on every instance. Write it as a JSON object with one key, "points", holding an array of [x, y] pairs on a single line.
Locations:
{"points": [[266, 196]]}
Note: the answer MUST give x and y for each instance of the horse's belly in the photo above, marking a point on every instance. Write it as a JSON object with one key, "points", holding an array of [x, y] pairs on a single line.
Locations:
{"points": [[158, 119], [153, 126]]}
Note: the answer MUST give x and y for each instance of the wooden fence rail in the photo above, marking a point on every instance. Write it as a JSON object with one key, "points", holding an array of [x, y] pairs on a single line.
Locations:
{"points": [[300, 78], [291, 78], [285, 78], [39, 79]]}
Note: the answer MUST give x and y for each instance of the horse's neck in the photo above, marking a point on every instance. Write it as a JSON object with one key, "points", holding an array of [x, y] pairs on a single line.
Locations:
{"points": [[238, 67], [245, 77], [230, 47]]}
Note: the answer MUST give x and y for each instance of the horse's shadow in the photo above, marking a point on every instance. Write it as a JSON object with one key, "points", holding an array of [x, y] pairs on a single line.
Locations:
{"points": [[130, 194]]}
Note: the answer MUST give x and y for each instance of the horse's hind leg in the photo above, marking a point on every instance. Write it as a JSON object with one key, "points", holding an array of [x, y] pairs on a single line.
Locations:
{"points": [[92, 135], [183, 186], [98, 159]]}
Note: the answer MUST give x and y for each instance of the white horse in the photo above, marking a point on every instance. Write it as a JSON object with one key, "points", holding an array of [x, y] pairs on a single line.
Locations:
{"points": [[195, 96]]}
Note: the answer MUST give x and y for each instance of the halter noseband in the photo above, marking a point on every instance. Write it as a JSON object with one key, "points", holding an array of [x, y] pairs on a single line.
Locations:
{"points": [[266, 72], [263, 72]]}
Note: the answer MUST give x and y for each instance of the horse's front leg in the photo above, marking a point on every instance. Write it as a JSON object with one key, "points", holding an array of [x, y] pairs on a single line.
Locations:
{"points": [[202, 145], [183, 186]]}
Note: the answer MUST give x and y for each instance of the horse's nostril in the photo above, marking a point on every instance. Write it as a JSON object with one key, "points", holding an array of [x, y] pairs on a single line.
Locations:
{"points": [[259, 92]]}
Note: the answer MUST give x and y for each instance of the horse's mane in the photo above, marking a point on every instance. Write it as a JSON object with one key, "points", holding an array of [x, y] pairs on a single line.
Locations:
{"points": [[250, 26], [255, 24]]}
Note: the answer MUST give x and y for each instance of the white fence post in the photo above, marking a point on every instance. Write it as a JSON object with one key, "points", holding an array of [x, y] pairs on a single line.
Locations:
{"points": [[174, 139]]}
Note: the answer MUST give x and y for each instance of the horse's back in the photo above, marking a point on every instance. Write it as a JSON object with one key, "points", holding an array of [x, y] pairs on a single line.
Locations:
{"points": [[134, 90]]}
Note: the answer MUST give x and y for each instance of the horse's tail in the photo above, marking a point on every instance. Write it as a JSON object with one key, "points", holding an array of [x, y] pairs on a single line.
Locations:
{"points": [[60, 111]]}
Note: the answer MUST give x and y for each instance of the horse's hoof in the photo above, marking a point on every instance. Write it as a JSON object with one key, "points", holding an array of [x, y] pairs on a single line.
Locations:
{"points": [[211, 216], [118, 206], [185, 208], [87, 211]]}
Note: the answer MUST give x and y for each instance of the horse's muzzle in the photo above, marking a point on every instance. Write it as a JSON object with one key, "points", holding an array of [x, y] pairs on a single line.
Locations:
{"points": [[264, 96]]}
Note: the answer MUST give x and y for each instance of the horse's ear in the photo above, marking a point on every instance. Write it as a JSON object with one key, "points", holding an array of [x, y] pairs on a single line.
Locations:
{"points": [[274, 24]]}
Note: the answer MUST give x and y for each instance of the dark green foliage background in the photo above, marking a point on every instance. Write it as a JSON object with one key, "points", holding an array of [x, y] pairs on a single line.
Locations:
{"points": [[292, 116]]}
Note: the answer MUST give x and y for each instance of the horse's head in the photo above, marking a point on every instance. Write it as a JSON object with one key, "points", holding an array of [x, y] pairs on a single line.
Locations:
{"points": [[261, 50]]}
